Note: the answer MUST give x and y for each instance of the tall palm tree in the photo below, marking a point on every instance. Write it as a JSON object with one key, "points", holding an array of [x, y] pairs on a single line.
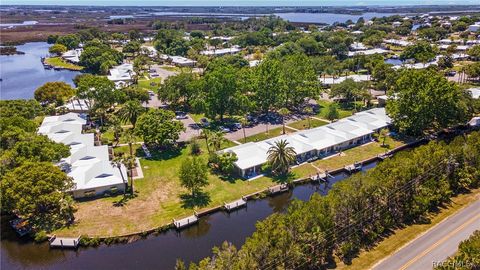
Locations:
{"points": [[130, 111], [283, 112], [309, 111], [129, 161], [244, 122], [206, 135], [117, 162], [280, 156], [216, 140]]}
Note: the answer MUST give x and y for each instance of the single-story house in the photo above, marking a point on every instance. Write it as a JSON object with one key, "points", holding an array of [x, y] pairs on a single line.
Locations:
{"points": [[475, 92], [182, 61], [312, 143], [88, 165], [220, 52], [72, 56], [368, 52]]}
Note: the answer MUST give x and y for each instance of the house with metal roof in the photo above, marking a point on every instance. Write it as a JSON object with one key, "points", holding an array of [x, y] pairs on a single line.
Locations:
{"points": [[89, 165], [313, 143]]}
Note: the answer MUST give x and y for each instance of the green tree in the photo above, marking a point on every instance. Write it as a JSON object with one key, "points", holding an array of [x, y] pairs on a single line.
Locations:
{"points": [[71, 41], [99, 58], [215, 140], [283, 112], [193, 175], [157, 127], [473, 70], [421, 51], [98, 90], [178, 89], [350, 90], [130, 111], [332, 112], [132, 47], [57, 49], [54, 93], [474, 51], [423, 100], [28, 109], [280, 157], [37, 193]]}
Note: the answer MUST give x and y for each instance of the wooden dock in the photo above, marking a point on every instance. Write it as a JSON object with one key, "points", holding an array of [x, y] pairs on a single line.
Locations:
{"points": [[235, 204], [64, 242], [184, 222], [278, 189], [355, 167]]}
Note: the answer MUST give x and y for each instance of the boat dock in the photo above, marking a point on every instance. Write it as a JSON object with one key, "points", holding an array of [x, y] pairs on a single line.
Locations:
{"points": [[355, 167], [184, 222], [235, 204], [64, 242], [278, 188]]}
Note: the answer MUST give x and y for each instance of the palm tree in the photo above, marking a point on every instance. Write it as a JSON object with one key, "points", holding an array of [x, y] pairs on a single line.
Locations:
{"points": [[283, 112], [130, 111], [206, 134], [116, 129], [117, 162], [129, 161], [216, 140], [280, 156], [308, 111], [244, 122]]}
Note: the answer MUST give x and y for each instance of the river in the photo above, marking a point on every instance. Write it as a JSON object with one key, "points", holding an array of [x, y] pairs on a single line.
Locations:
{"points": [[21, 74], [158, 251]]}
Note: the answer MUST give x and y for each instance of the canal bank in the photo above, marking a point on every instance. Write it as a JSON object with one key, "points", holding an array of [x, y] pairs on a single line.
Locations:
{"points": [[160, 250]]}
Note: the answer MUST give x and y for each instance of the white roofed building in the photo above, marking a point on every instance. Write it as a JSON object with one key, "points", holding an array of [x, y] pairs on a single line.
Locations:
{"points": [[121, 75], [89, 165], [72, 56], [313, 143]]}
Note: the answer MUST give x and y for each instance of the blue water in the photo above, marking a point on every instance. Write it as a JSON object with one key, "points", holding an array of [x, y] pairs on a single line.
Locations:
{"points": [[393, 61], [22, 74], [328, 18]]}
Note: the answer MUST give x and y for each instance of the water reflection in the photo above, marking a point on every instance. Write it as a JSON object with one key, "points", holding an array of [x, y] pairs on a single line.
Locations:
{"points": [[159, 251], [22, 74]]}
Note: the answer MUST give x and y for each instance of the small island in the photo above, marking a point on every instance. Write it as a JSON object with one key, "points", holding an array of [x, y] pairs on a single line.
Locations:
{"points": [[58, 62], [9, 50]]}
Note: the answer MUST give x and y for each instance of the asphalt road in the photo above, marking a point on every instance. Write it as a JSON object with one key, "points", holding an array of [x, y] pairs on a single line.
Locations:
{"points": [[437, 244]]}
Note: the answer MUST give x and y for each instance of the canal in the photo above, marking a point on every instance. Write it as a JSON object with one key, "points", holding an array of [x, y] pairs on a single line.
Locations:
{"points": [[21, 74], [159, 251]]}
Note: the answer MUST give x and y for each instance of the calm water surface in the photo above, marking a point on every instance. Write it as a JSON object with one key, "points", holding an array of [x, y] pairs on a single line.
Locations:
{"points": [[22, 74], [157, 251], [328, 18]]}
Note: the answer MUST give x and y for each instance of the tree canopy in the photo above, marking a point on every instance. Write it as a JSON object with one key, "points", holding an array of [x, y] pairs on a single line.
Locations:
{"points": [[423, 100], [421, 51], [54, 93], [158, 128]]}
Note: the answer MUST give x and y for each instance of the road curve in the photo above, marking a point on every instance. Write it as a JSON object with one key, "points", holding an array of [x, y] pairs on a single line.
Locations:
{"points": [[437, 244]]}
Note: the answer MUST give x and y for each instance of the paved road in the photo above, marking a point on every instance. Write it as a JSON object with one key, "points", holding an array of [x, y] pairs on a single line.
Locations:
{"points": [[437, 244]]}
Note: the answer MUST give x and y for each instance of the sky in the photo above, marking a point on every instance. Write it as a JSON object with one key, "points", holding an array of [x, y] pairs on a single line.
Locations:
{"points": [[239, 2]]}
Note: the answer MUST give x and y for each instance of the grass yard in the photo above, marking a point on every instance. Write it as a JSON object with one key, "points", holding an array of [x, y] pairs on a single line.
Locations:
{"points": [[108, 137], [400, 237], [271, 133], [323, 105], [158, 199], [303, 124], [60, 63], [356, 154], [147, 84]]}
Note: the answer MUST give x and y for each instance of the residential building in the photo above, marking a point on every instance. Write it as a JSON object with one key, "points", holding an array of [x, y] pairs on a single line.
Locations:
{"points": [[312, 143], [89, 165]]}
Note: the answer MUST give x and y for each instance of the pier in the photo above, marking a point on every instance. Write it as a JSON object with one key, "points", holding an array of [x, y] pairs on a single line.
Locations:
{"points": [[64, 242], [184, 222], [235, 204], [355, 167], [278, 188]]}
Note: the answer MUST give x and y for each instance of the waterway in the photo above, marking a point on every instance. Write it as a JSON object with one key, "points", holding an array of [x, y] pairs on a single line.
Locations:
{"points": [[21, 74], [158, 251]]}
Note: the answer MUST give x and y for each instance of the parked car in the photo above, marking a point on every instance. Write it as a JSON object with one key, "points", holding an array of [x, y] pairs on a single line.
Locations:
{"points": [[451, 73], [224, 129], [204, 122], [180, 115], [237, 126], [151, 93]]}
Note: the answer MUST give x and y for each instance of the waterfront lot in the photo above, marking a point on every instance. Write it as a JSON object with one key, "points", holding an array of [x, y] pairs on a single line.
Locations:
{"points": [[160, 198]]}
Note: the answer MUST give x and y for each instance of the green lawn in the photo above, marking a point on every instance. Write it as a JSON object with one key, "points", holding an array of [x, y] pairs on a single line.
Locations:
{"points": [[263, 136], [357, 154], [196, 117], [303, 124], [323, 105], [108, 137], [160, 197], [152, 84], [60, 63]]}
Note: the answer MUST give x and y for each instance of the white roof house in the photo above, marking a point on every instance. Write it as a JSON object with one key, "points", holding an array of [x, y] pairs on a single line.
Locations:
{"points": [[474, 27], [398, 42], [355, 77], [181, 61], [368, 52], [357, 46], [88, 165], [343, 133], [219, 52], [72, 55], [475, 92], [121, 73]]}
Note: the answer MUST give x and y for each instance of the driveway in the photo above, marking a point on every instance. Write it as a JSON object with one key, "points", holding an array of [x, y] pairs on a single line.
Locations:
{"points": [[192, 130], [163, 73], [259, 128]]}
